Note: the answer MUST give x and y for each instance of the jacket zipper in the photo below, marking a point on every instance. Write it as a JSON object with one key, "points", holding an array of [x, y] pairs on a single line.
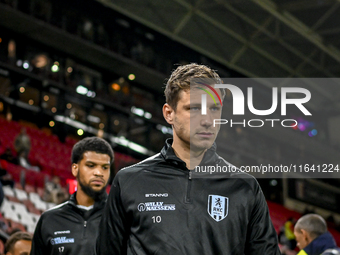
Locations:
{"points": [[85, 225], [188, 198]]}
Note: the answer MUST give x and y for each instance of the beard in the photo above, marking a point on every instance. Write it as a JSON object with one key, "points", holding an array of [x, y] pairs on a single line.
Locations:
{"points": [[87, 189]]}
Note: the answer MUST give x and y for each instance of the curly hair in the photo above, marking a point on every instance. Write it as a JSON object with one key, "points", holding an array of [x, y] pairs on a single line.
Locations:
{"points": [[94, 144], [180, 80]]}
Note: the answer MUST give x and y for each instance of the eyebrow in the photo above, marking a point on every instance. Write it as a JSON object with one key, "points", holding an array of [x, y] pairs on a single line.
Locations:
{"points": [[91, 162]]}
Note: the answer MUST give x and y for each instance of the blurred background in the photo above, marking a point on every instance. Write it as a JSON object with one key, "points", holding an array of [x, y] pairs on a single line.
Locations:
{"points": [[72, 69]]}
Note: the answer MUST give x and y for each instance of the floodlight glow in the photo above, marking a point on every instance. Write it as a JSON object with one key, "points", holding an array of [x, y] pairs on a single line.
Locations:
{"points": [[81, 90]]}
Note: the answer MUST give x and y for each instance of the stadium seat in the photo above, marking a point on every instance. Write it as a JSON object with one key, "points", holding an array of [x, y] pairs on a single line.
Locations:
{"points": [[38, 203], [6, 206], [8, 191], [20, 194]]}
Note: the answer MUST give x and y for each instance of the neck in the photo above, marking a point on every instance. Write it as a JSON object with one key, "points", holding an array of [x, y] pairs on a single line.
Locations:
{"points": [[83, 199], [182, 151]]}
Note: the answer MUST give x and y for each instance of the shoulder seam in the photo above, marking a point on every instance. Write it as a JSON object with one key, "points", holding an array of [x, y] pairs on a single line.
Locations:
{"points": [[57, 206], [143, 161]]}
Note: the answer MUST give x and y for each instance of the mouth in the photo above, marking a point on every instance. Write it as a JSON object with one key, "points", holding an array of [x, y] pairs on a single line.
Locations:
{"points": [[97, 182], [205, 134]]}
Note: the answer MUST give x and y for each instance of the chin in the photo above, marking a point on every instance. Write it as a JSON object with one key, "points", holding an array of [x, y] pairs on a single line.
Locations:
{"points": [[98, 188], [202, 145]]}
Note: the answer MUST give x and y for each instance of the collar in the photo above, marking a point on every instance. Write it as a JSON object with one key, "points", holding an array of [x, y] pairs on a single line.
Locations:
{"points": [[210, 157], [97, 204], [320, 244]]}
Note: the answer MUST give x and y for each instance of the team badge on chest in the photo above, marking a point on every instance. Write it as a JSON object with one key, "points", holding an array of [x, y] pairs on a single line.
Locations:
{"points": [[218, 207]]}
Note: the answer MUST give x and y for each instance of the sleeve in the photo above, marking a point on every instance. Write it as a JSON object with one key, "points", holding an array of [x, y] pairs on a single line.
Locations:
{"points": [[114, 230], [38, 246], [261, 235]]}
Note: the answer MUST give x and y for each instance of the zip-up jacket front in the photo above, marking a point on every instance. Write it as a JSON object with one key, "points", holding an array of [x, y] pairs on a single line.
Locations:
{"points": [[67, 229], [159, 207]]}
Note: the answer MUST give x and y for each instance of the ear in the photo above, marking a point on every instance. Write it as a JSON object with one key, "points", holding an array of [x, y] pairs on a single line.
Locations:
{"points": [[75, 169], [305, 235], [168, 113]]}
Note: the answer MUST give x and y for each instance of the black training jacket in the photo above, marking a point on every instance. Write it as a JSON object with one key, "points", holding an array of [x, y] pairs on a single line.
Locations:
{"points": [[67, 230], [159, 207]]}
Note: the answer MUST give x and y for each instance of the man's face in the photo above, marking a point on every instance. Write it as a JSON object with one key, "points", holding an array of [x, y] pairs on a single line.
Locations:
{"points": [[21, 247], [190, 126], [92, 173], [300, 237]]}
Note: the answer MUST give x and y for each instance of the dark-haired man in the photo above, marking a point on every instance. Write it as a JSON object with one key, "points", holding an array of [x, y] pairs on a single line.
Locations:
{"points": [[158, 206], [19, 243], [71, 227]]}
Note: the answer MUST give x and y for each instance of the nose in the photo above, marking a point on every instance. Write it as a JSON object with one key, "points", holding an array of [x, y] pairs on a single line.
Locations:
{"points": [[206, 120], [98, 171]]}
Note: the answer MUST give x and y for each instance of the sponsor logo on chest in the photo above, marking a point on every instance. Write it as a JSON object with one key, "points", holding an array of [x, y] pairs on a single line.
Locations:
{"points": [[157, 195], [156, 206], [62, 239]]}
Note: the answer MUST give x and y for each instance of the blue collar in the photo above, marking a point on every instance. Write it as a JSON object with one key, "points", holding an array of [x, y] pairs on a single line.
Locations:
{"points": [[320, 244]]}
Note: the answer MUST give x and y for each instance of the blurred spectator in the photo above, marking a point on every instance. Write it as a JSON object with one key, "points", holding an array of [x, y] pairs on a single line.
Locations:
{"points": [[5, 177], [9, 156], [19, 244], [54, 192], [287, 237], [23, 161], [289, 233], [22, 143], [313, 238]]}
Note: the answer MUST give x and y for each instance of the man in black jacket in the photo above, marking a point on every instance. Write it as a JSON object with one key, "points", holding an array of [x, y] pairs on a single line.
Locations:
{"points": [[158, 206], [72, 227]]}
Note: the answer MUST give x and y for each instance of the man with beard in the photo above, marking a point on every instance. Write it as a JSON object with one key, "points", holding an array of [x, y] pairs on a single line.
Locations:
{"points": [[160, 206], [71, 227]]}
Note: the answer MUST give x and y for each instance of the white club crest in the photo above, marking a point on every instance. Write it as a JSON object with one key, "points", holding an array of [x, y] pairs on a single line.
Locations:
{"points": [[218, 207]]}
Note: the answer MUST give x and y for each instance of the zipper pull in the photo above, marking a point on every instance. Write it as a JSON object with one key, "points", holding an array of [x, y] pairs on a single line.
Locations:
{"points": [[190, 174], [85, 223]]}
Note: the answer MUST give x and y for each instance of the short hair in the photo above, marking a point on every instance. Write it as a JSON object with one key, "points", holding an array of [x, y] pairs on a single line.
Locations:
{"points": [[314, 224], [180, 80], [94, 144], [17, 236]]}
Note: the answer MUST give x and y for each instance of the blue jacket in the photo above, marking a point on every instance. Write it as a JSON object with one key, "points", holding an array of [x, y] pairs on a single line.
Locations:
{"points": [[319, 245]]}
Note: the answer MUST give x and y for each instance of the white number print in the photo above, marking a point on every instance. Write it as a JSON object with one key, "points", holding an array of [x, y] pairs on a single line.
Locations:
{"points": [[156, 219], [61, 249]]}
